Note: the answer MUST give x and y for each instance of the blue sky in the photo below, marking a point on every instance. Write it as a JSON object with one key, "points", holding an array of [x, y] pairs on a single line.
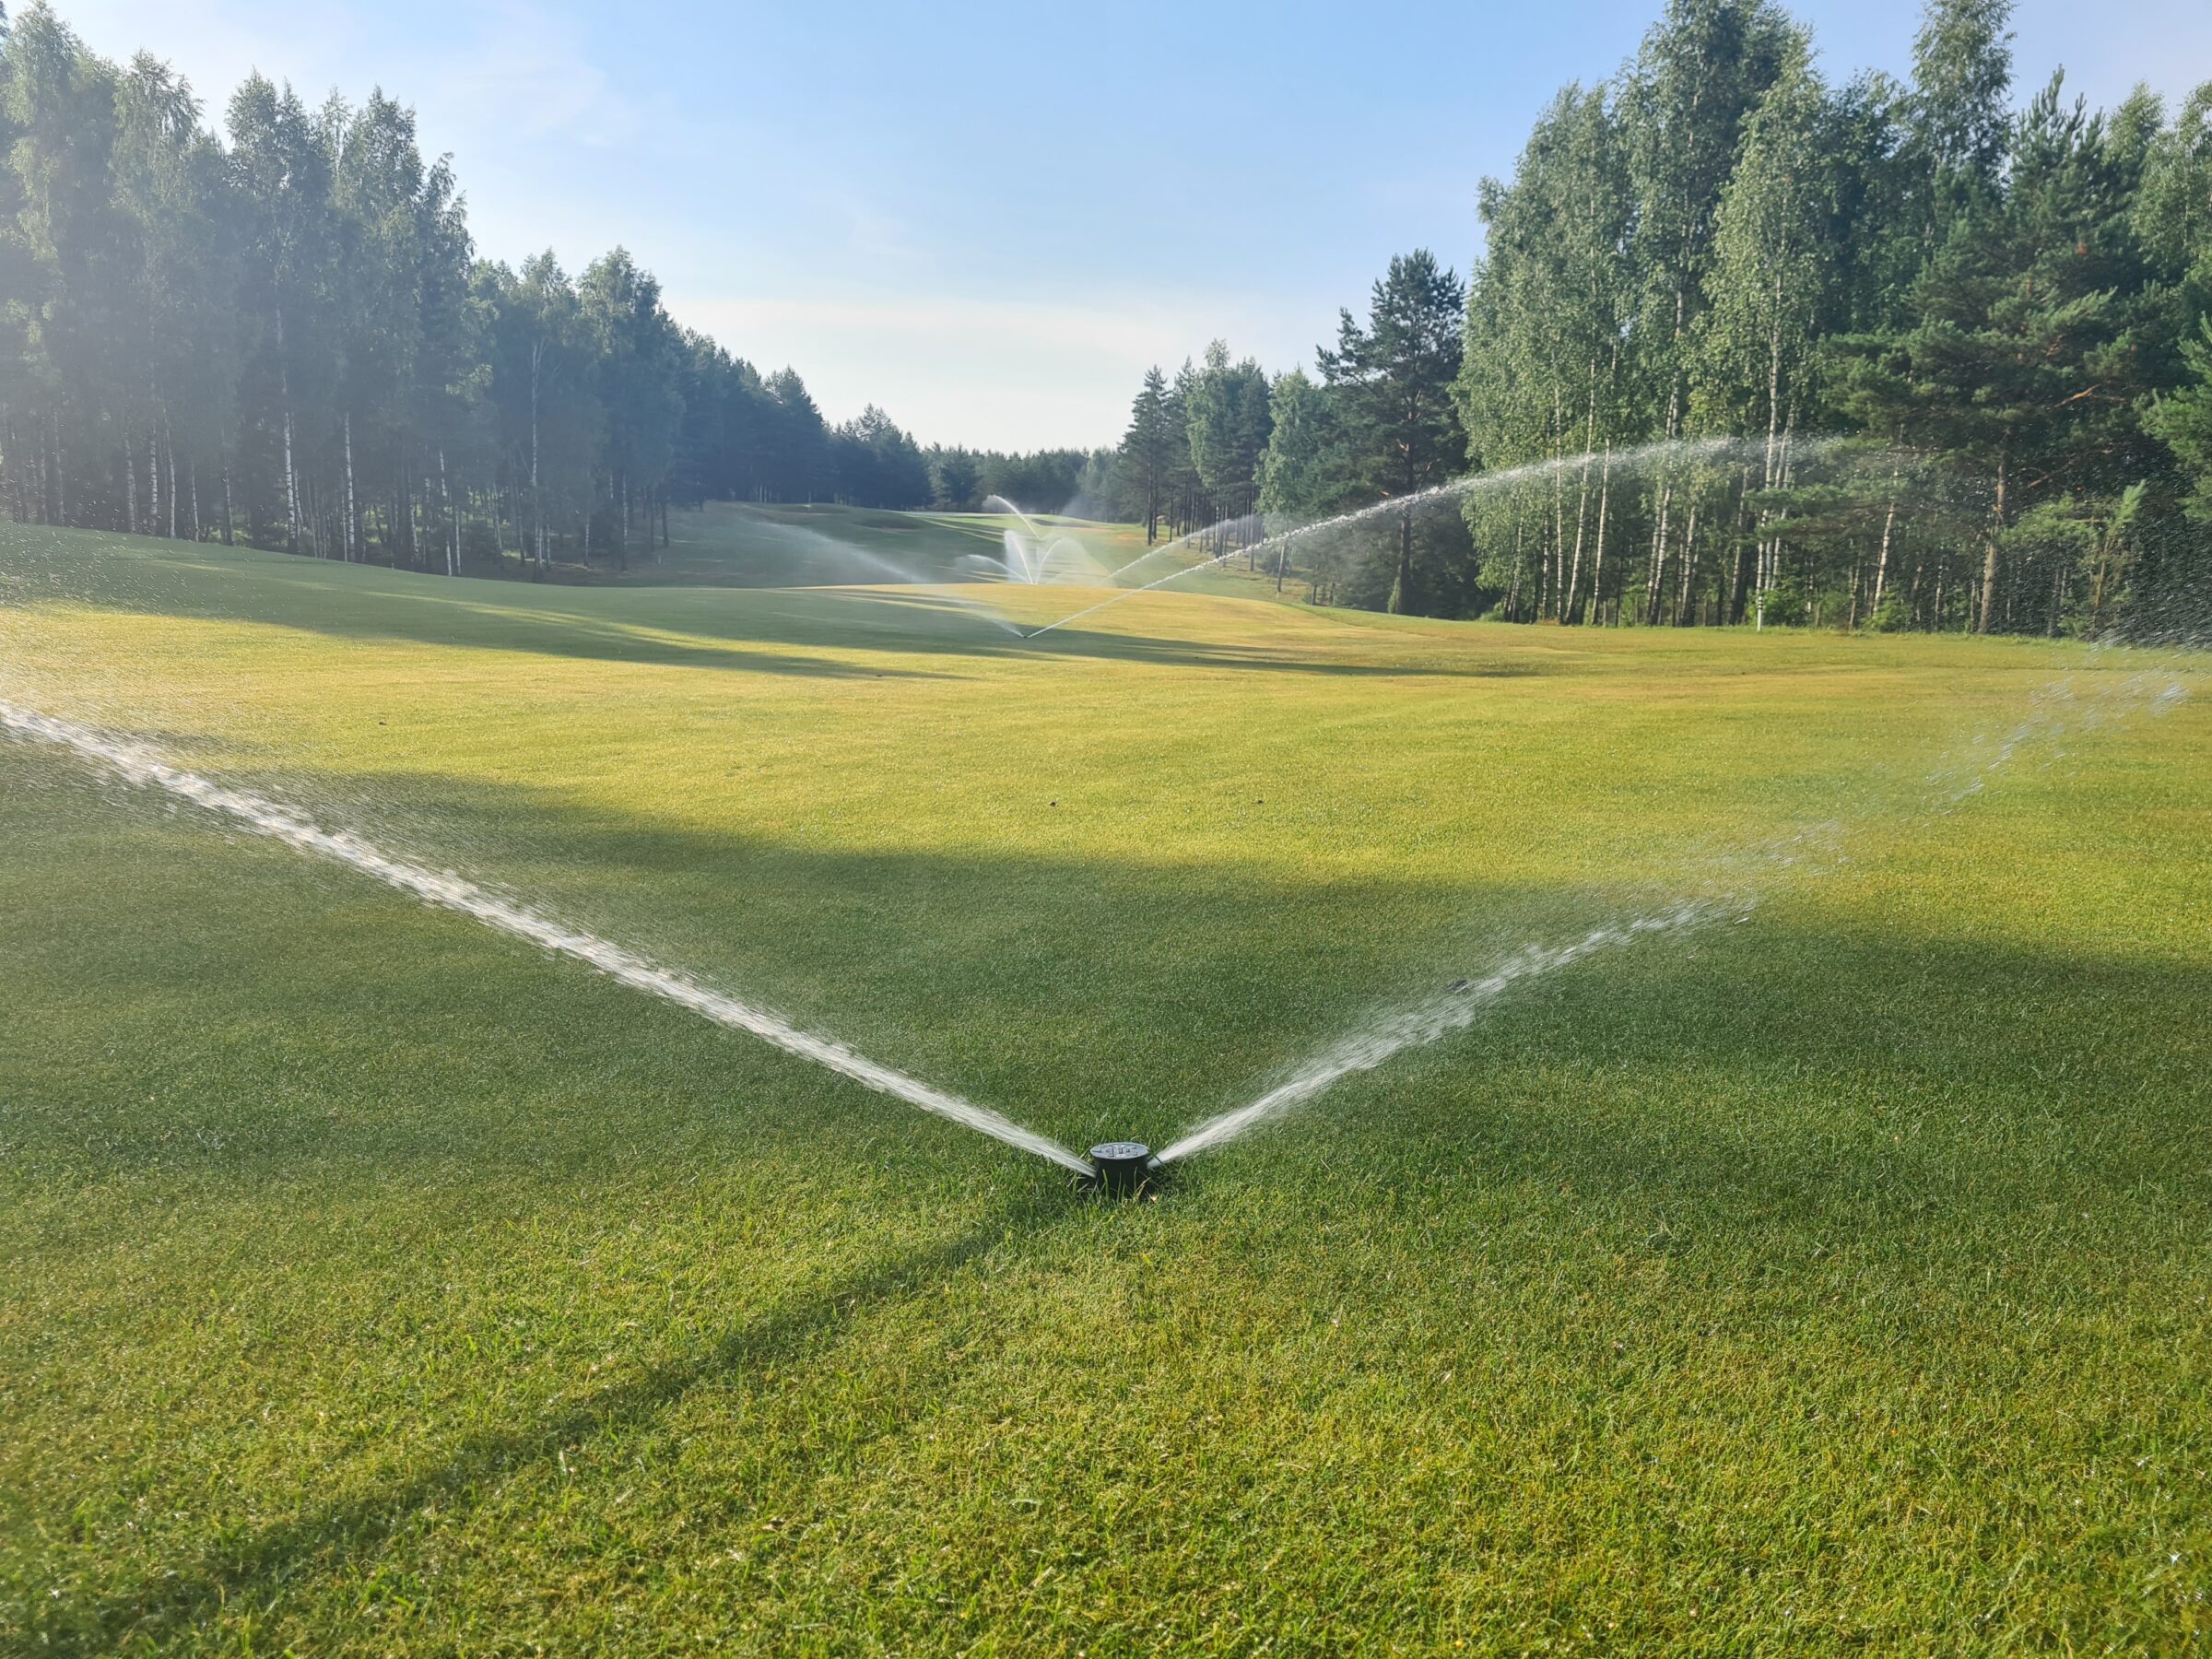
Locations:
{"points": [[989, 218]]}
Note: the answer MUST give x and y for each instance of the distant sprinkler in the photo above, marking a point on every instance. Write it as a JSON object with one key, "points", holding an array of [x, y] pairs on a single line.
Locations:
{"points": [[1121, 1167]]}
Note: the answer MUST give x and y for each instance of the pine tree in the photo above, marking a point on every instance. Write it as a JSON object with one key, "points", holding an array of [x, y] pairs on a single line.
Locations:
{"points": [[74, 257], [2182, 421], [1227, 412], [1391, 382], [170, 183], [1183, 484], [1147, 448], [1304, 474], [2017, 365], [283, 179], [953, 481], [798, 441], [633, 350]]}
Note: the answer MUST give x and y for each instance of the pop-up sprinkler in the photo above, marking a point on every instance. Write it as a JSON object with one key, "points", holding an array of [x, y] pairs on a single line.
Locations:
{"points": [[1121, 1167]]}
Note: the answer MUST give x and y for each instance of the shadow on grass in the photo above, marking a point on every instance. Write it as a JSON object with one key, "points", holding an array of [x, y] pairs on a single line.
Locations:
{"points": [[1142, 996], [322, 1540], [1787, 1070], [1748, 1069], [758, 630], [1780, 1185]]}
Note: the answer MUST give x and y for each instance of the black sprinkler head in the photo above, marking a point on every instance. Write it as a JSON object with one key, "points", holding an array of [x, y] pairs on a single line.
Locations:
{"points": [[1121, 1167]]}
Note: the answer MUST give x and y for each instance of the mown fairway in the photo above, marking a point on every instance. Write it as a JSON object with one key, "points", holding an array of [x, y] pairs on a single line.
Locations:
{"points": [[777, 545], [1832, 1280], [748, 544]]}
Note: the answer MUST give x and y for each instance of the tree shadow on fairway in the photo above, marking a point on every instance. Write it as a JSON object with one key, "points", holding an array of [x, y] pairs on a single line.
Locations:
{"points": [[329, 1539], [1790, 1074], [1750, 1161], [1092, 999], [1088, 997], [1084, 996], [1081, 644], [370, 605], [861, 630], [1739, 1105]]}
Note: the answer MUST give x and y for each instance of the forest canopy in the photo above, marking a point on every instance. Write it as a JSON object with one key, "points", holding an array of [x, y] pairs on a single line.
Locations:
{"points": [[1743, 345], [281, 333]]}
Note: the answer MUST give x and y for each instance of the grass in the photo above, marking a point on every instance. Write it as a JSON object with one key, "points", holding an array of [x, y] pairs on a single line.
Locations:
{"points": [[748, 545], [1833, 1280], [778, 545]]}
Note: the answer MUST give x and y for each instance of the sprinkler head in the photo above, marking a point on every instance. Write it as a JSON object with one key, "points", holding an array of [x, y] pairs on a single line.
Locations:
{"points": [[1121, 1167]]}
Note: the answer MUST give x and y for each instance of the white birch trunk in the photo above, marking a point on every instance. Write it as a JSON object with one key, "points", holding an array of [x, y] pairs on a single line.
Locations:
{"points": [[352, 501], [1881, 562], [1597, 556], [291, 479]]}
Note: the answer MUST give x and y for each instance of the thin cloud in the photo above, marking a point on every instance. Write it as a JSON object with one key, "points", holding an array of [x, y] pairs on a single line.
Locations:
{"points": [[529, 69], [1091, 329]]}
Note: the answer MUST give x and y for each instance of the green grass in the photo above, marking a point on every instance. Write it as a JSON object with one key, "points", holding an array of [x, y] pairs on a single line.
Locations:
{"points": [[1833, 1281], [745, 545], [748, 544]]}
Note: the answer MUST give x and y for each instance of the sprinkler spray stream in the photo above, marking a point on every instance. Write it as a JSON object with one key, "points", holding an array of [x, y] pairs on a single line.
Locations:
{"points": [[261, 817], [2054, 712], [1455, 1010], [1678, 450]]}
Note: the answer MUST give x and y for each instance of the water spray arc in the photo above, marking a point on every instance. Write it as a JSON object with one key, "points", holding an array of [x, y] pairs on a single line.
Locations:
{"points": [[1682, 451], [1033, 555], [1116, 1169], [816, 546], [2056, 712], [1441, 1017], [908, 578], [259, 816], [998, 503]]}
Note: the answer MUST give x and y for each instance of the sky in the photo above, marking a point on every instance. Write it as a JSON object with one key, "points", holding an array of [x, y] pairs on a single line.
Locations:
{"points": [[989, 219]]}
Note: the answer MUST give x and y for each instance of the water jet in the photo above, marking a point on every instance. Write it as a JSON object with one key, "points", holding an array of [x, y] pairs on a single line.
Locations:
{"points": [[244, 810], [1034, 556]]}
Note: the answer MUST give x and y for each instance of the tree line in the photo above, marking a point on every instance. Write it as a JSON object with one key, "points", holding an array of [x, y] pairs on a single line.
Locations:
{"points": [[281, 334], [1743, 345], [1746, 346], [1082, 482]]}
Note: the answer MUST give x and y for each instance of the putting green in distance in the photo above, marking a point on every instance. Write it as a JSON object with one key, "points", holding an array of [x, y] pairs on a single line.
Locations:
{"points": [[1830, 1279]]}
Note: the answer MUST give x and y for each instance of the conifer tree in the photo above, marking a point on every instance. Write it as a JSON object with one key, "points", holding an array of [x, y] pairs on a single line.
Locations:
{"points": [[2017, 365], [1304, 474], [1147, 448], [1391, 381]]}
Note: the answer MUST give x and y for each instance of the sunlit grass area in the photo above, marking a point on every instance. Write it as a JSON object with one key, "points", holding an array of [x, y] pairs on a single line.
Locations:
{"points": [[783, 544], [739, 544], [1831, 1279]]}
